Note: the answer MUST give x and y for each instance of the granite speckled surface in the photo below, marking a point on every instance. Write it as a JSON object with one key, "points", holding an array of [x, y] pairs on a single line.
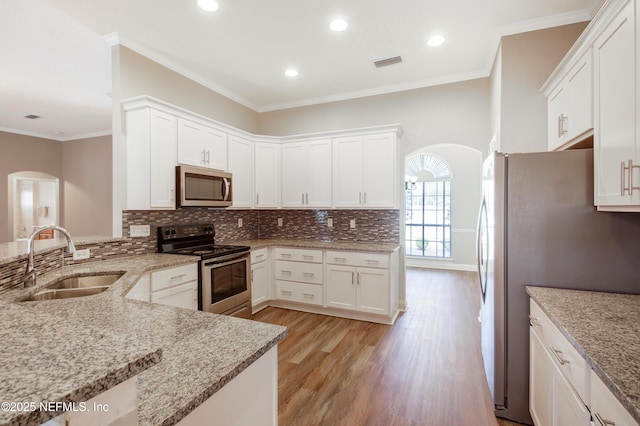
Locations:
{"points": [[323, 245], [605, 329], [201, 352]]}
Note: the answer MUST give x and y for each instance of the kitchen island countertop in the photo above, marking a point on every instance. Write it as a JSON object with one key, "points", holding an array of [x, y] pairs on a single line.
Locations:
{"points": [[605, 329], [181, 357]]}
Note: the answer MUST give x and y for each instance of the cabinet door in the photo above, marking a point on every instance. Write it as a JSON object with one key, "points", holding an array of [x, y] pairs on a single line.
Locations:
{"points": [[215, 149], [580, 87], [372, 291], [540, 382], [557, 106], [615, 102], [293, 175], [340, 287], [241, 166], [190, 143], [379, 169], [181, 296], [267, 173], [318, 174], [347, 172], [605, 407], [163, 160], [259, 283], [569, 408]]}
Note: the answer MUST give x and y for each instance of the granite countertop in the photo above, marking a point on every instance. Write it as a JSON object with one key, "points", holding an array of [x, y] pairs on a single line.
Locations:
{"points": [[605, 329], [16, 250], [323, 245], [188, 355]]}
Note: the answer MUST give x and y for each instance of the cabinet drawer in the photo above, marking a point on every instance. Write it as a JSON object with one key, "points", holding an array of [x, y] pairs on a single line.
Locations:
{"points": [[299, 292], [298, 271], [173, 276], [259, 255], [299, 255], [564, 355], [605, 407], [181, 296], [369, 260]]}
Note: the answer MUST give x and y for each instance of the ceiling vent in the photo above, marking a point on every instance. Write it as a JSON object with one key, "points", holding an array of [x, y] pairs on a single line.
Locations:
{"points": [[386, 62], [31, 116]]}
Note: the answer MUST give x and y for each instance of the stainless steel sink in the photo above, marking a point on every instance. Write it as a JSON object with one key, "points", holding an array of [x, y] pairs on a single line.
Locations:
{"points": [[77, 286]]}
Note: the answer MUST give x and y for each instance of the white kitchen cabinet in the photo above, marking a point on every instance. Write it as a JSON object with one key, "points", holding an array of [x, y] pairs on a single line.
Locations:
{"points": [[558, 376], [351, 286], [151, 151], [365, 171], [299, 275], [240, 162], [200, 145], [267, 175], [605, 408], [176, 286], [260, 279], [616, 157], [570, 106], [306, 174]]}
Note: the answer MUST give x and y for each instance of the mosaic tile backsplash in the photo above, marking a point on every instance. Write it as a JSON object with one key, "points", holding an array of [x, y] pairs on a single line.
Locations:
{"points": [[371, 226]]}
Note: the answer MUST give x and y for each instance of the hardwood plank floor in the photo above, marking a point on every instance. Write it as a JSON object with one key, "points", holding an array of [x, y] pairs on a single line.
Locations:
{"points": [[426, 369]]}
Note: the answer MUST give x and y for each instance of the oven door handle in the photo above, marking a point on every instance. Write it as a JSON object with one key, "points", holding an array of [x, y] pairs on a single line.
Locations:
{"points": [[225, 260]]}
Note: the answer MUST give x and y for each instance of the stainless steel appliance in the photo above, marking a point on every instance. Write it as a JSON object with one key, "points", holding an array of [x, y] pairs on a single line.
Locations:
{"points": [[538, 226], [202, 187], [224, 279]]}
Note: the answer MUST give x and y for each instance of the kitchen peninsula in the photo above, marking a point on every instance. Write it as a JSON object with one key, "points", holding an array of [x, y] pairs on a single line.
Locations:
{"points": [[70, 350]]}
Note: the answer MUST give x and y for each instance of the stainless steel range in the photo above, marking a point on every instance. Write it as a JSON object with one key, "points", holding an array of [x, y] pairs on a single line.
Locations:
{"points": [[224, 286]]}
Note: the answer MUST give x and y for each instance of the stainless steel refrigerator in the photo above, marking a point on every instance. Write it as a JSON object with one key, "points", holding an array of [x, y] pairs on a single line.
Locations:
{"points": [[538, 226]]}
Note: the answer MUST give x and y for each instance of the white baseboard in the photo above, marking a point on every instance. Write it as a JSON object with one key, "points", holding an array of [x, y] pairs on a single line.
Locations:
{"points": [[415, 262]]}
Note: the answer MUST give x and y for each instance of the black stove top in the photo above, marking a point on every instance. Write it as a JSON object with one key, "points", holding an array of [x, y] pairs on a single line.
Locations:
{"points": [[194, 240]]}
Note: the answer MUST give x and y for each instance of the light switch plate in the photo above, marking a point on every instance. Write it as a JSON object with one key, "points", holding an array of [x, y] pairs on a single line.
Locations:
{"points": [[240, 222], [139, 231], [279, 221], [330, 222], [352, 224], [81, 254]]}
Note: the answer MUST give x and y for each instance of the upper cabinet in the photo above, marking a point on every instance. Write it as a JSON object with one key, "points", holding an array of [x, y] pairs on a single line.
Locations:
{"points": [[570, 106], [597, 83], [203, 146], [365, 171], [240, 157], [306, 174], [267, 175]]}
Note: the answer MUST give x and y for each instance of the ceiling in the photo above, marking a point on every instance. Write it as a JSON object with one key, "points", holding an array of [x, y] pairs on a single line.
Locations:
{"points": [[56, 60]]}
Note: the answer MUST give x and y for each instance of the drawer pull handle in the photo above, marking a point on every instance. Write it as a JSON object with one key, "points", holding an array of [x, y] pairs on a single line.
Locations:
{"points": [[286, 272], [533, 321], [258, 256], [308, 295], [178, 276], [307, 256], [340, 259], [308, 274], [287, 292], [285, 255], [604, 422], [373, 261], [558, 354]]}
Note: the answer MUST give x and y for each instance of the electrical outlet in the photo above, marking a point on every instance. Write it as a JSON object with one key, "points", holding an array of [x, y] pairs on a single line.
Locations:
{"points": [[81, 254], [139, 231], [352, 224], [330, 222], [279, 221], [240, 222]]}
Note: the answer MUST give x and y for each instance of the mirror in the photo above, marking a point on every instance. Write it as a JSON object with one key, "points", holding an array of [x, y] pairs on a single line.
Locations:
{"points": [[33, 201]]}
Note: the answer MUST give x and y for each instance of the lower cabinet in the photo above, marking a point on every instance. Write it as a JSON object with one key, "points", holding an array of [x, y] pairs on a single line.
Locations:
{"points": [[260, 280], [605, 408], [298, 276], [176, 286], [360, 289]]}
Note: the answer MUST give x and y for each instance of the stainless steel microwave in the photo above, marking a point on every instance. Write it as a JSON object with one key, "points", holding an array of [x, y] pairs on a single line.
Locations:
{"points": [[202, 187]]}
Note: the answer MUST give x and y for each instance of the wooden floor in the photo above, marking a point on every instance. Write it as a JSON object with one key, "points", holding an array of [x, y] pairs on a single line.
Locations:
{"points": [[424, 370]]}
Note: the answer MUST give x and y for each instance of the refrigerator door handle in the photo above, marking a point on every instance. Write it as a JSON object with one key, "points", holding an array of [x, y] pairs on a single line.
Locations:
{"points": [[481, 234]]}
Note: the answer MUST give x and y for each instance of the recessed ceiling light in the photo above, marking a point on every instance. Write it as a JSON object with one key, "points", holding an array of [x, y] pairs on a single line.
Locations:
{"points": [[291, 73], [208, 5], [338, 25], [435, 41]]}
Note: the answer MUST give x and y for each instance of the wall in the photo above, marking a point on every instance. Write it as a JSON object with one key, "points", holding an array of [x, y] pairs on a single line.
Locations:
{"points": [[526, 61], [26, 153], [88, 196]]}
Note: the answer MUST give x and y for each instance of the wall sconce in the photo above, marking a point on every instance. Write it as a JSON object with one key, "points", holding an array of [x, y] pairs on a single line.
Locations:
{"points": [[410, 182]]}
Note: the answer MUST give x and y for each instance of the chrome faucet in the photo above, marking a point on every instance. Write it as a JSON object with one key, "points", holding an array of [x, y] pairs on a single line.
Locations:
{"points": [[30, 273]]}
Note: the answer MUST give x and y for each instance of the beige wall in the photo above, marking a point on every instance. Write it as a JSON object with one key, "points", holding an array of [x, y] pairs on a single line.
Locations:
{"points": [[140, 75], [25, 153], [527, 60], [87, 198]]}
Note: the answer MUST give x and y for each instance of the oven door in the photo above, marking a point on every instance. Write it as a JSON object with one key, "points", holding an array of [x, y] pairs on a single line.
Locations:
{"points": [[225, 285]]}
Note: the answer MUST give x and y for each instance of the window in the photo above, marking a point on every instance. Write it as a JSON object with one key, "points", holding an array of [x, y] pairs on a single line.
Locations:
{"points": [[428, 207]]}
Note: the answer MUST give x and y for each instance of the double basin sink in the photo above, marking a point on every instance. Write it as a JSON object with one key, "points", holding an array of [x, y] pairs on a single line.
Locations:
{"points": [[76, 286]]}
